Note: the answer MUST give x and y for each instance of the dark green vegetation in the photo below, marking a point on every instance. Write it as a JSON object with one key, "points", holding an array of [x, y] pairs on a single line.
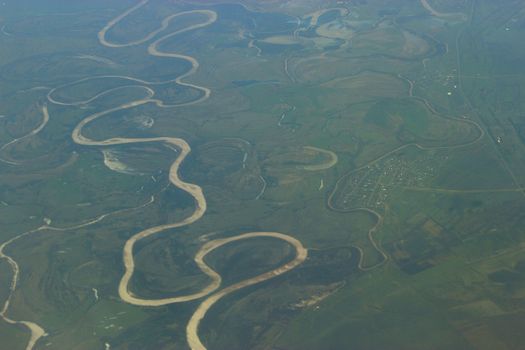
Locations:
{"points": [[426, 116]]}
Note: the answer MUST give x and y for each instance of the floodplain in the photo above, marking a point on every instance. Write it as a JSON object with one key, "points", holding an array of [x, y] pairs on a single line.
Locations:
{"points": [[262, 175]]}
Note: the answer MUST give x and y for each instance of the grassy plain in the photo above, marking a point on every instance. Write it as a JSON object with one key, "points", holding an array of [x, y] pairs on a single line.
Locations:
{"points": [[415, 231]]}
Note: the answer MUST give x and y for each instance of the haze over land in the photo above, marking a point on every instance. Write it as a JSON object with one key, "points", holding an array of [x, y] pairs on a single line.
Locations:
{"points": [[298, 174]]}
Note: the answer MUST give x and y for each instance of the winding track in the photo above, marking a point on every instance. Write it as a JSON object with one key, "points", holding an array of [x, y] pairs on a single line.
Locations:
{"points": [[194, 190], [379, 217], [323, 166], [36, 331], [45, 119], [198, 315], [433, 12], [314, 16]]}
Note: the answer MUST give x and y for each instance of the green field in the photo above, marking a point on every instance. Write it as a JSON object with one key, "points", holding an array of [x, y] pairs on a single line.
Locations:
{"points": [[386, 136]]}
